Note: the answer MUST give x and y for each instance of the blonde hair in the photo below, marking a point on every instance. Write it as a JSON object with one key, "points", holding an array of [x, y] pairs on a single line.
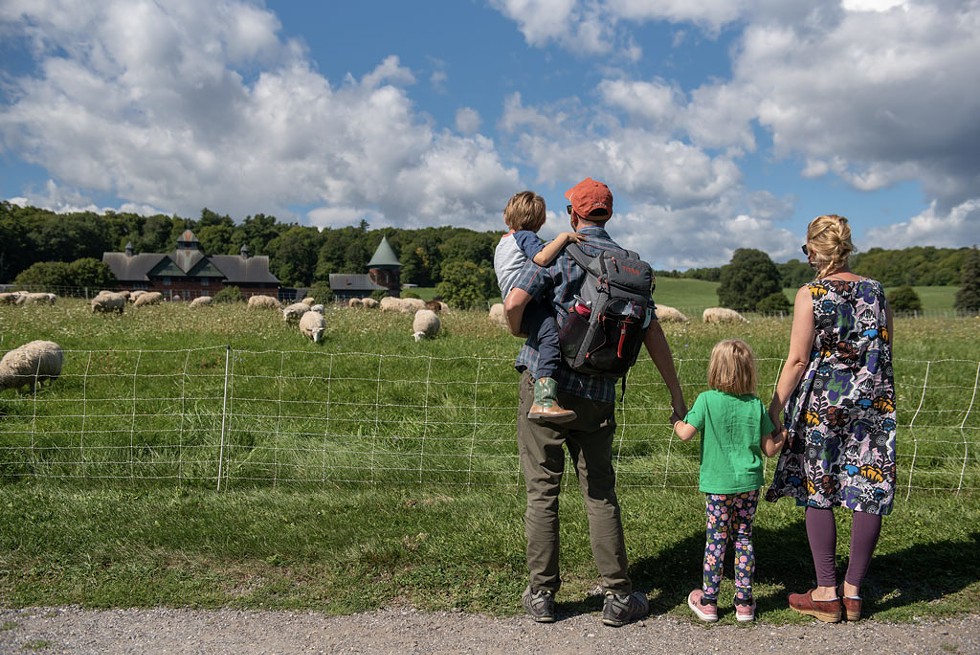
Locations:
{"points": [[828, 238], [732, 367], [525, 211]]}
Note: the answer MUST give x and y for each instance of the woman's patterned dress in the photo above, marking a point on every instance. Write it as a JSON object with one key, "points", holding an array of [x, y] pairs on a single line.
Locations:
{"points": [[841, 417]]}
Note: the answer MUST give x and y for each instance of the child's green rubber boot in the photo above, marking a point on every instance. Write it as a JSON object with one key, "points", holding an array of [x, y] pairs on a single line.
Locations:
{"points": [[546, 407]]}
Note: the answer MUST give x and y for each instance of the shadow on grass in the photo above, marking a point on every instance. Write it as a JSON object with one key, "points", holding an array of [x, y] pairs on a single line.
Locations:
{"points": [[921, 572]]}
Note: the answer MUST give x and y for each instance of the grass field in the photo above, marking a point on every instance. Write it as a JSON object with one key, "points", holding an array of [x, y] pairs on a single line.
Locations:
{"points": [[372, 470]]}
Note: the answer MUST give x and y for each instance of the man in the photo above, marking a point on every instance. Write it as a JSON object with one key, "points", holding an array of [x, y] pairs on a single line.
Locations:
{"points": [[588, 438]]}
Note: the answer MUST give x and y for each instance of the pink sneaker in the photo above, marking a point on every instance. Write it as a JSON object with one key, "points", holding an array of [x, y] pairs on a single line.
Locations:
{"points": [[745, 613], [705, 612]]}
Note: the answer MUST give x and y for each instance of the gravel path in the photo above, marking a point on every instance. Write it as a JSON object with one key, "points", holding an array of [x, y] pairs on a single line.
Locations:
{"points": [[69, 630]]}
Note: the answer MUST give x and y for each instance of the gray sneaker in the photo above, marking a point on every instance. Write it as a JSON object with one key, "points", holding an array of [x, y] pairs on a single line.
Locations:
{"points": [[620, 609], [540, 605]]}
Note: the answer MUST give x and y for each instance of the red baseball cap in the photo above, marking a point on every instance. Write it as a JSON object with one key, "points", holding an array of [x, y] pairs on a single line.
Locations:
{"points": [[591, 196]]}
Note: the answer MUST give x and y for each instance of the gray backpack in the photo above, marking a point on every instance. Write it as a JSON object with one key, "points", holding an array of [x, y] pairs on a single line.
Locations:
{"points": [[604, 331]]}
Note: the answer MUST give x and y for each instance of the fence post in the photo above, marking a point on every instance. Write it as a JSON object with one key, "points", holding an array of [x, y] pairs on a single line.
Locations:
{"points": [[224, 414]]}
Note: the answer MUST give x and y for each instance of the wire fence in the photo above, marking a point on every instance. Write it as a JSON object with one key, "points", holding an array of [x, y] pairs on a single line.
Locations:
{"points": [[231, 419]]}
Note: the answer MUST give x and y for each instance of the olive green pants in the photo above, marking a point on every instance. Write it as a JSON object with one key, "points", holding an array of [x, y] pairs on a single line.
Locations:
{"points": [[588, 440]]}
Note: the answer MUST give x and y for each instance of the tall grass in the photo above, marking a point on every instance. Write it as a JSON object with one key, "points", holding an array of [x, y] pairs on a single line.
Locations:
{"points": [[105, 514]]}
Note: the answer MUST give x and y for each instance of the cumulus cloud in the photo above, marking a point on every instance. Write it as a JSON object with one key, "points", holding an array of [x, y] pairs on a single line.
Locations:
{"points": [[952, 229], [205, 104]]}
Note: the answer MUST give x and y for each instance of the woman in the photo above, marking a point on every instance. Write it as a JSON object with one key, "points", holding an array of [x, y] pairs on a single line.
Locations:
{"points": [[837, 392]]}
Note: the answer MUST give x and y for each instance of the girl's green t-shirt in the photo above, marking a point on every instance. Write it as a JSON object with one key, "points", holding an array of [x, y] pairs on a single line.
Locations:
{"points": [[731, 428]]}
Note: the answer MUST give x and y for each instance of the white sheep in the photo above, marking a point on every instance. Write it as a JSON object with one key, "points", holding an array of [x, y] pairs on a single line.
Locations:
{"points": [[39, 298], [411, 305], [201, 301], [134, 295], [309, 301], [31, 364], [107, 301], [391, 304], [9, 298], [292, 313], [355, 303], [497, 314], [317, 308], [369, 303], [149, 298], [263, 302], [426, 324], [312, 325], [667, 314], [722, 315]]}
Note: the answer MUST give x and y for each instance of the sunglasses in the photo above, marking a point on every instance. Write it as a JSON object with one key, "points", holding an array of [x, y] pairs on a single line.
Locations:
{"points": [[568, 208], [806, 250]]}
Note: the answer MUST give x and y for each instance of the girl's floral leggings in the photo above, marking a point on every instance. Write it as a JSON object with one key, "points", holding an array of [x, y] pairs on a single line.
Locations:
{"points": [[729, 515]]}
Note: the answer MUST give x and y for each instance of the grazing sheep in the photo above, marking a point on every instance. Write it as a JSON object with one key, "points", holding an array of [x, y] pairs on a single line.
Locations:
{"points": [[425, 325], [434, 305], [107, 301], [9, 298], [667, 314], [722, 315], [39, 298], [309, 301], [134, 296], [312, 325], [391, 304], [317, 308], [411, 305], [292, 313], [201, 301], [497, 314], [263, 302], [369, 303], [31, 364], [355, 303], [149, 298]]}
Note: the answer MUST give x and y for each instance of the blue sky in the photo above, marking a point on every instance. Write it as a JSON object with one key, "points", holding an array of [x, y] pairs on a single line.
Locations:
{"points": [[718, 124]]}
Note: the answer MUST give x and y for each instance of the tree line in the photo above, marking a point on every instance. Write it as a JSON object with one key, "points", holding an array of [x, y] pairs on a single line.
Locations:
{"points": [[458, 261]]}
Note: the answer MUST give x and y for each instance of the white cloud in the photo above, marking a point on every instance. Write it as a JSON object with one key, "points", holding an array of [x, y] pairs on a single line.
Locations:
{"points": [[204, 104], [960, 225], [468, 121]]}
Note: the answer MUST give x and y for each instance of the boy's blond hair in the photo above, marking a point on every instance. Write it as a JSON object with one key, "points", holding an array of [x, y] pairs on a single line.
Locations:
{"points": [[525, 211], [732, 368]]}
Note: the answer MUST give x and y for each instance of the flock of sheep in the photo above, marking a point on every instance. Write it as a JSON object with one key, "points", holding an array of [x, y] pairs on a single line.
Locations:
{"points": [[40, 361], [665, 314]]}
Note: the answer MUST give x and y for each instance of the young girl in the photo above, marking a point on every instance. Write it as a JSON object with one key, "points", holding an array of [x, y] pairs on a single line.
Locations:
{"points": [[735, 430]]}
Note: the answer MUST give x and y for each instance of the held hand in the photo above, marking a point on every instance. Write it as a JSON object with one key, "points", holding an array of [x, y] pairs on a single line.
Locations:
{"points": [[576, 237]]}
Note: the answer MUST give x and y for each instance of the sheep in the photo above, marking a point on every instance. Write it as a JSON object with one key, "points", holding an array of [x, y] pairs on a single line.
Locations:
{"points": [[263, 302], [292, 313], [9, 298], [411, 305], [425, 325], [355, 303], [39, 298], [201, 301], [497, 314], [149, 298], [31, 364], [317, 308], [309, 301], [722, 315], [667, 314], [134, 295], [311, 324], [107, 301], [434, 305], [369, 303], [391, 304]]}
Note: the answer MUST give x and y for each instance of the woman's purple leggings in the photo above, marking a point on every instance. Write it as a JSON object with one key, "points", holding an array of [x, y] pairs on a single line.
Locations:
{"points": [[821, 531]]}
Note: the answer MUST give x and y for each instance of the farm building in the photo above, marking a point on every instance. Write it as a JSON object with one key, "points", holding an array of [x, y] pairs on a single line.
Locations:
{"points": [[383, 273], [189, 273]]}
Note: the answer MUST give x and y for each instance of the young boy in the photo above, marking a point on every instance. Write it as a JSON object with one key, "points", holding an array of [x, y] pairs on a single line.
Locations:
{"points": [[524, 215]]}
